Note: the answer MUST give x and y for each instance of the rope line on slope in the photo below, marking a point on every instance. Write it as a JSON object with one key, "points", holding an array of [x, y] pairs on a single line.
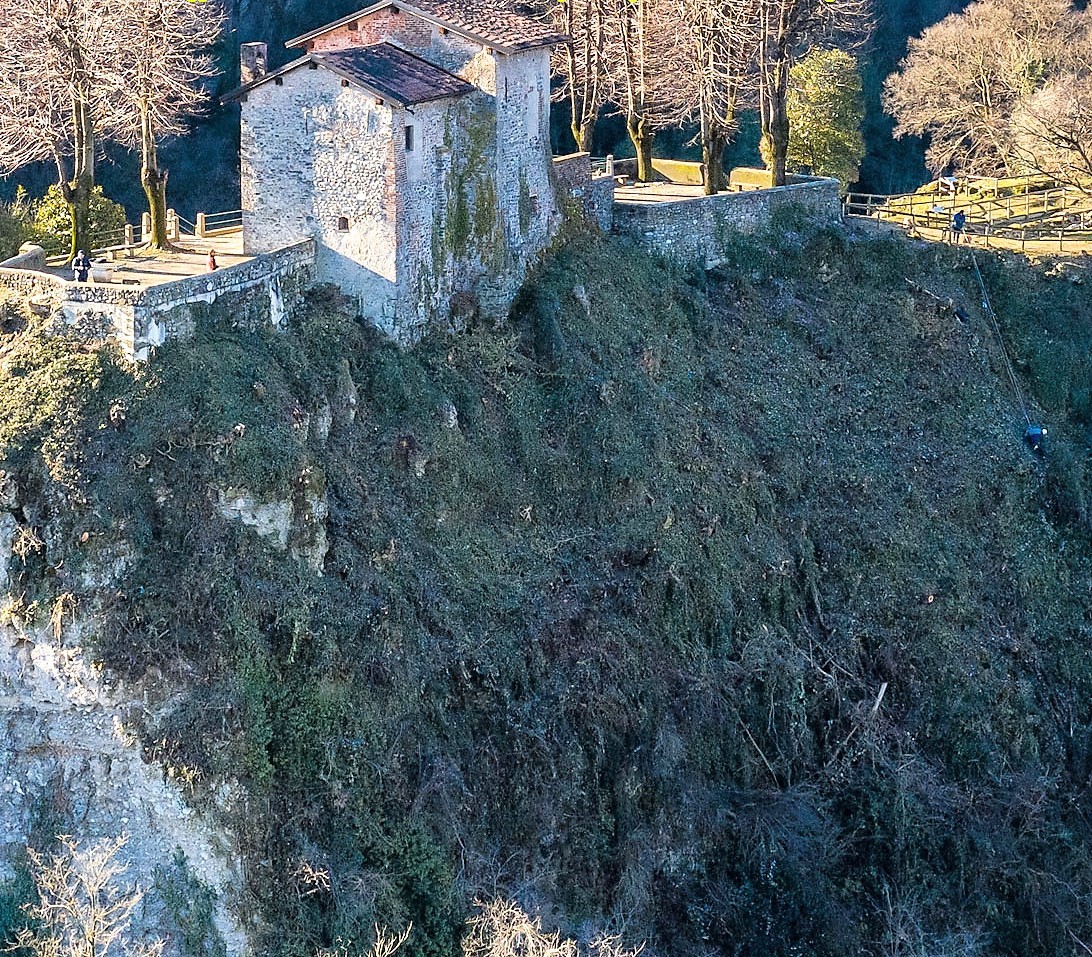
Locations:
{"points": [[988, 309]]}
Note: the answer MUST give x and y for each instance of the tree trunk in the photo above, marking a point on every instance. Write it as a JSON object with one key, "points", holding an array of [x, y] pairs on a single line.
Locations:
{"points": [[774, 95], [712, 157], [77, 194], [154, 181], [77, 191], [583, 131], [641, 138]]}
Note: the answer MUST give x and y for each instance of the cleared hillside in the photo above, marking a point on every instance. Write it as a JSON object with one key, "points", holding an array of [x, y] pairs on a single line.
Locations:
{"points": [[726, 611]]}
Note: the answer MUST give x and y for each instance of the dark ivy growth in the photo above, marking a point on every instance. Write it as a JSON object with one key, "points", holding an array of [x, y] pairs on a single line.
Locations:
{"points": [[728, 609]]}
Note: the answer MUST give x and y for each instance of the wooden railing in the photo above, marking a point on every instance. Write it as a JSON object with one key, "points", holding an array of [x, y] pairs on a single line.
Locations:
{"points": [[1061, 215]]}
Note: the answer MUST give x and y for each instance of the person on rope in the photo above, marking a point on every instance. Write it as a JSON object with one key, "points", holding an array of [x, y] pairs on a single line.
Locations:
{"points": [[1035, 437], [959, 223]]}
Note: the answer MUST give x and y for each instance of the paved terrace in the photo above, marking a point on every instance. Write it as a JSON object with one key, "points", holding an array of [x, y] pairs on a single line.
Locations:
{"points": [[145, 268], [646, 193]]}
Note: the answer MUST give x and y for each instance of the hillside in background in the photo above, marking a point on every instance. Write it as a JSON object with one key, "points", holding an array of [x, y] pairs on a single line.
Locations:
{"points": [[727, 612]]}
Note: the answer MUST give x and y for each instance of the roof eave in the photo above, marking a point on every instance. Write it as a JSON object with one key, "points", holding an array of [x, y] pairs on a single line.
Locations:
{"points": [[319, 60], [241, 91]]}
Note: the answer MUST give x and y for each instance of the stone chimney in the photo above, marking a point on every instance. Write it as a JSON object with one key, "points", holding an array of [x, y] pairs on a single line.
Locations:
{"points": [[253, 58]]}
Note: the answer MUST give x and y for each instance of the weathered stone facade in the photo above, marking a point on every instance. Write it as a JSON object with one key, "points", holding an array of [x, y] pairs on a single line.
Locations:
{"points": [[258, 292], [699, 230], [413, 205]]}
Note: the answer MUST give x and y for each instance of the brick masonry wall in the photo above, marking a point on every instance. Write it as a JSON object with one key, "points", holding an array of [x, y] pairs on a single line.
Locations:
{"points": [[699, 230], [259, 291]]}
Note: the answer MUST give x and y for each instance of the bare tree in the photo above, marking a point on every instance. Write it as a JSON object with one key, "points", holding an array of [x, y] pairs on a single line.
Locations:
{"points": [[502, 928], [81, 911], [1052, 131], [715, 42], [639, 38], [52, 104], [963, 79], [582, 64], [788, 28], [156, 90]]}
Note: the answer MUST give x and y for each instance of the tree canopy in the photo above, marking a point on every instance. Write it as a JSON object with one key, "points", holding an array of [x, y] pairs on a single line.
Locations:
{"points": [[974, 84], [826, 109]]}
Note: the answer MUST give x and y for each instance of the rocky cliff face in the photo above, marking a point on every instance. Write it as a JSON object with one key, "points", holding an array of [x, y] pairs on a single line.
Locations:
{"points": [[71, 763]]}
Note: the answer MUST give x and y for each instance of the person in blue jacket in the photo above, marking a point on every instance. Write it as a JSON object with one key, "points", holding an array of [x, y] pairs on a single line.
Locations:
{"points": [[959, 223]]}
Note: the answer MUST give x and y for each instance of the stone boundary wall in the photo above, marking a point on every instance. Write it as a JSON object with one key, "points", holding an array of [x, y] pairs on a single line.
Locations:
{"points": [[256, 292], [700, 229], [30, 256], [594, 194]]}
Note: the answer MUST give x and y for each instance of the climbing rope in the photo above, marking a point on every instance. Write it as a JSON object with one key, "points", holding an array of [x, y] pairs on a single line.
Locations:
{"points": [[988, 310]]}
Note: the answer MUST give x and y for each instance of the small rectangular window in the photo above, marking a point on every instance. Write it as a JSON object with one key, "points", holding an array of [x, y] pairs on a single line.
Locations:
{"points": [[409, 139], [344, 82], [353, 26], [343, 224], [279, 80]]}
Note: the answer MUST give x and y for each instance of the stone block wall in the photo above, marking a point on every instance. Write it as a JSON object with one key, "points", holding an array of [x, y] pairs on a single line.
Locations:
{"points": [[593, 196], [257, 292], [700, 229], [276, 163], [524, 157]]}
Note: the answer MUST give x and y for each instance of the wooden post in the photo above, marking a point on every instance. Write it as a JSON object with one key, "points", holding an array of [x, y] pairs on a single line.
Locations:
{"points": [[1061, 240], [200, 226], [145, 227], [172, 225], [130, 237], [610, 164]]}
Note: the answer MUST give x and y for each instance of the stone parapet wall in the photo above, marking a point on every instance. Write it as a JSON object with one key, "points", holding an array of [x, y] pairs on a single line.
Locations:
{"points": [[700, 229], [572, 170], [592, 196], [257, 292], [30, 256]]}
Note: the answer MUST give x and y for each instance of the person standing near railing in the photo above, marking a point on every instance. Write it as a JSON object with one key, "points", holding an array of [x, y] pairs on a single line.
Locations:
{"points": [[212, 260], [959, 224]]}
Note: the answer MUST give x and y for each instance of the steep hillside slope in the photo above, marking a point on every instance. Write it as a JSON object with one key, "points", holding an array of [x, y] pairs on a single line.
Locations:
{"points": [[725, 611]]}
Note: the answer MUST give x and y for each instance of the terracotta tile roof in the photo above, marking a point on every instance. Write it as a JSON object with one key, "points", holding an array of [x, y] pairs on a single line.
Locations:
{"points": [[384, 70], [484, 21], [395, 74]]}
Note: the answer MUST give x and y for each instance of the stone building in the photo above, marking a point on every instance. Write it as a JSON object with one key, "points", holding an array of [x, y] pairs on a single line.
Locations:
{"points": [[411, 142]]}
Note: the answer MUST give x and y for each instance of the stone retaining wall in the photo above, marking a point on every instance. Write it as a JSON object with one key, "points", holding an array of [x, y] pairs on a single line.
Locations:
{"points": [[700, 229], [257, 292]]}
